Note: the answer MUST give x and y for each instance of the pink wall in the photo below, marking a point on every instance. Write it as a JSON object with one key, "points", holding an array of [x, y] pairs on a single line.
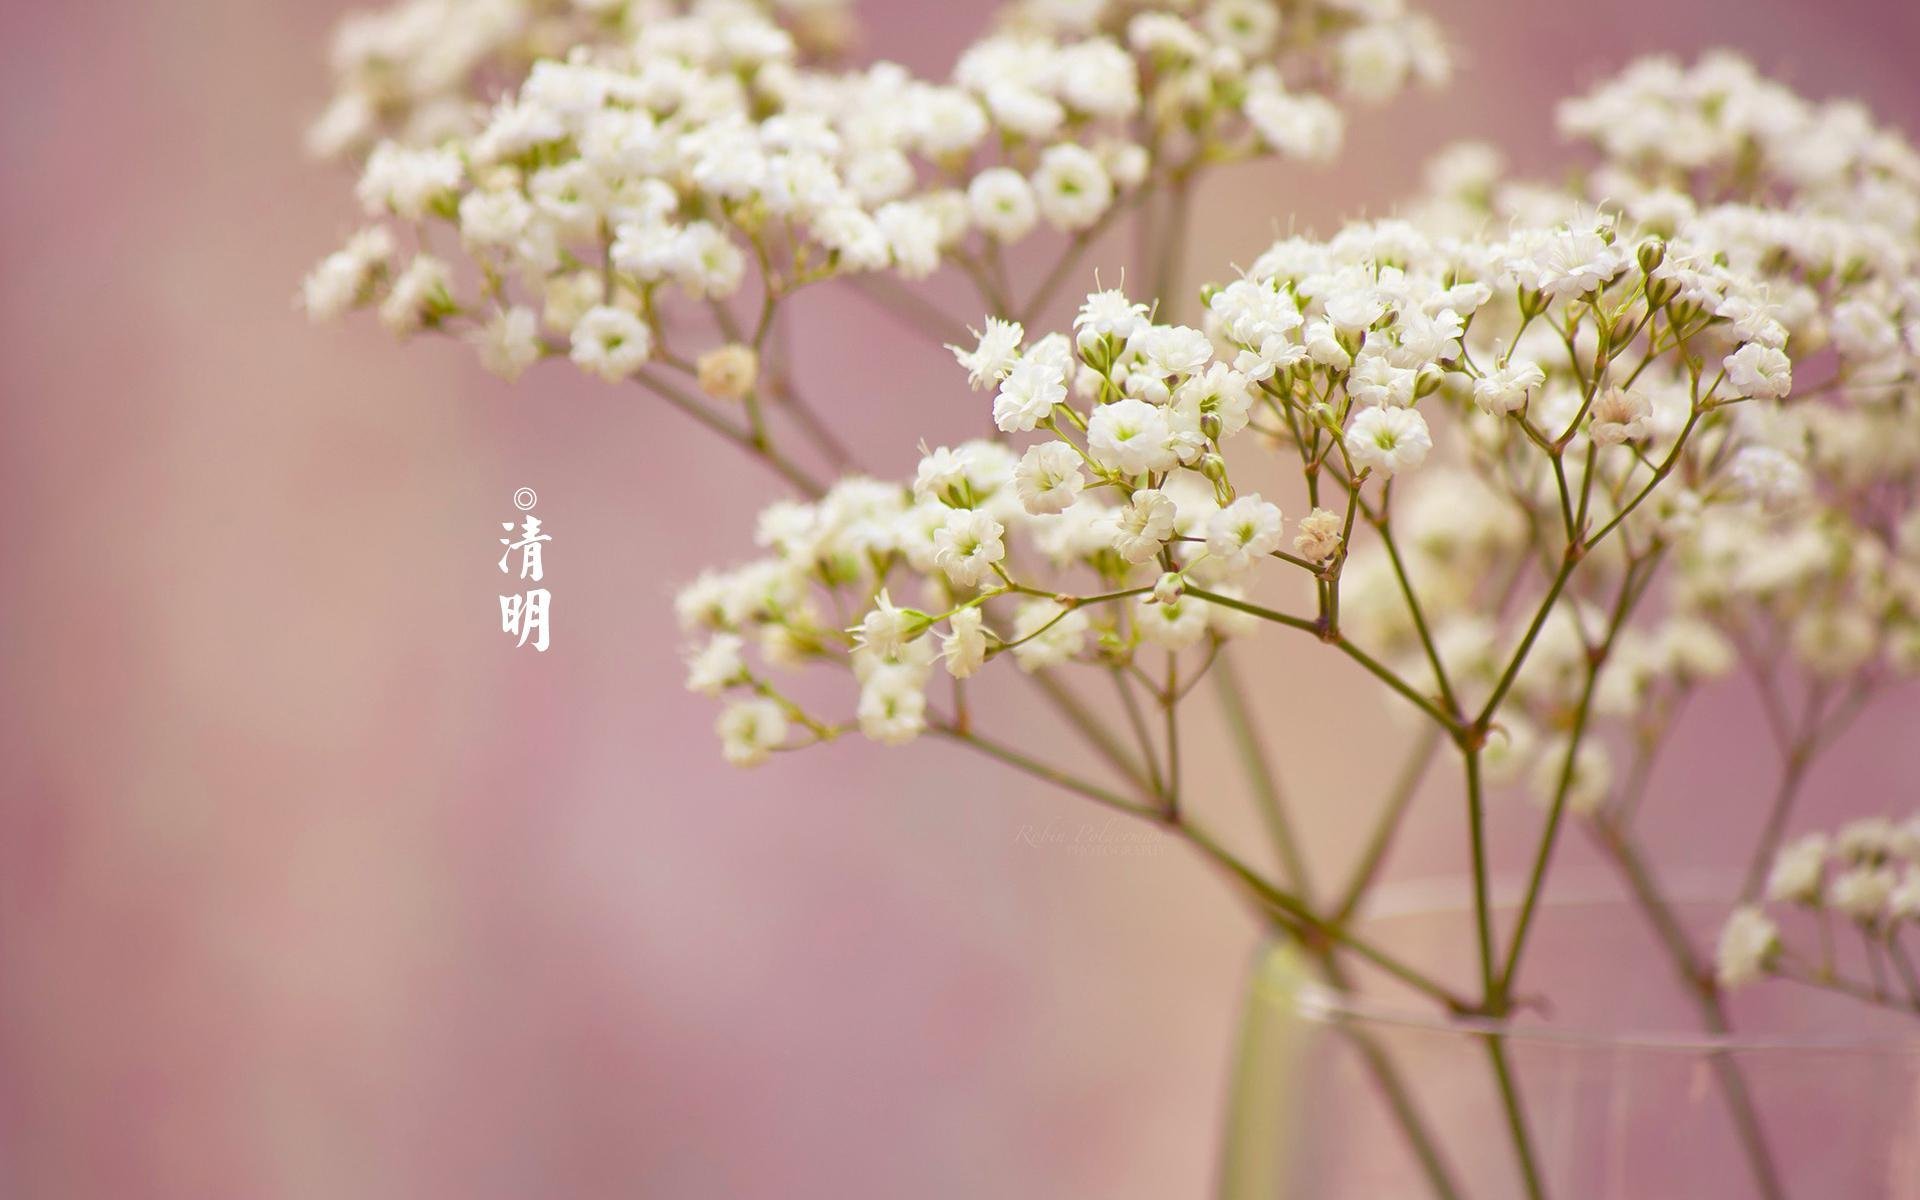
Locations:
{"points": [[309, 887]]}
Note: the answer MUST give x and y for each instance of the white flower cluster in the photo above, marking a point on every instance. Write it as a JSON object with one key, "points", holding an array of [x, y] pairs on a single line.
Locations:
{"points": [[420, 71], [1823, 206], [1122, 527], [1284, 60], [1868, 872], [695, 154]]}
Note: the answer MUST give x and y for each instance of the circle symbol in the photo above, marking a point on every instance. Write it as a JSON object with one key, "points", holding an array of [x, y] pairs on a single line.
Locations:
{"points": [[525, 499]]}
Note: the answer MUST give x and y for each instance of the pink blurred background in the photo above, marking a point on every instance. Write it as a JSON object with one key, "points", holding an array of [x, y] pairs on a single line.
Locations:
{"points": [[311, 886]]}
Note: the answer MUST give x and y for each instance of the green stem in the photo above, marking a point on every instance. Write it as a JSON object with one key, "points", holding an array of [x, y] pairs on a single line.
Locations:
{"points": [[1516, 1116], [1482, 900], [1373, 665]]}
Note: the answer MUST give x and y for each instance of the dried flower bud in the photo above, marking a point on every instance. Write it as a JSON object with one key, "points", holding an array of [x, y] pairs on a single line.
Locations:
{"points": [[729, 372]]}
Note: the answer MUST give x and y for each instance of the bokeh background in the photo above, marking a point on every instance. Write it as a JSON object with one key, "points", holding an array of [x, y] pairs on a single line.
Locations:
{"points": [[311, 886]]}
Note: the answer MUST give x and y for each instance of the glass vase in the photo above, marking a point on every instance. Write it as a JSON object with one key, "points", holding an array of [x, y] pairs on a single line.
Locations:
{"points": [[1622, 1075]]}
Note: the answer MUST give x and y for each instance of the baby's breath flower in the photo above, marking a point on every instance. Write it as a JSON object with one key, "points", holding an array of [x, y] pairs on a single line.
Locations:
{"points": [[1046, 635], [717, 666], [964, 648], [1244, 531], [1749, 942], [968, 546], [1049, 478], [1144, 526], [728, 372], [750, 730], [1798, 871], [893, 705], [510, 342], [611, 343], [1388, 441], [1620, 416], [999, 349], [1318, 538]]}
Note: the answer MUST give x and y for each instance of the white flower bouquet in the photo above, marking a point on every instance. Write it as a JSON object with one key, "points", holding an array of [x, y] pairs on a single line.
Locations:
{"points": [[1554, 458]]}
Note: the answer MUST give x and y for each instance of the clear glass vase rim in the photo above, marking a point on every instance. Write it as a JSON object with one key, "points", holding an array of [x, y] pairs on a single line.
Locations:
{"points": [[1451, 895]]}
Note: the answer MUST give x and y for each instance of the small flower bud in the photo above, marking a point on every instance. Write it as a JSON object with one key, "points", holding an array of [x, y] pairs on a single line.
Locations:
{"points": [[729, 372], [1429, 380], [1651, 254], [1214, 469], [1169, 588]]}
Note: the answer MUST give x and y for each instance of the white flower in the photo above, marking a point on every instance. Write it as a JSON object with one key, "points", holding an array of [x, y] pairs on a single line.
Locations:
{"points": [[968, 545], [1109, 314], [1175, 625], [1173, 350], [1374, 380], [1798, 871], [1506, 388], [706, 262], [1620, 416], [1388, 440], [1221, 393], [1323, 345], [990, 361], [1247, 529], [1319, 535], [965, 648], [1145, 525], [1767, 475], [344, 277], [716, 666], [1862, 892], [913, 236], [1903, 903], [1060, 641], [408, 182], [944, 475], [1002, 204], [1867, 840], [1164, 35], [510, 343], [420, 292], [1305, 127], [1759, 371], [1353, 309], [611, 343], [1071, 187], [750, 730], [854, 236], [1748, 944], [1130, 436], [887, 629], [571, 297], [1568, 263], [1028, 394], [893, 704], [1048, 478], [1374, 61], [1249, 26]]}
